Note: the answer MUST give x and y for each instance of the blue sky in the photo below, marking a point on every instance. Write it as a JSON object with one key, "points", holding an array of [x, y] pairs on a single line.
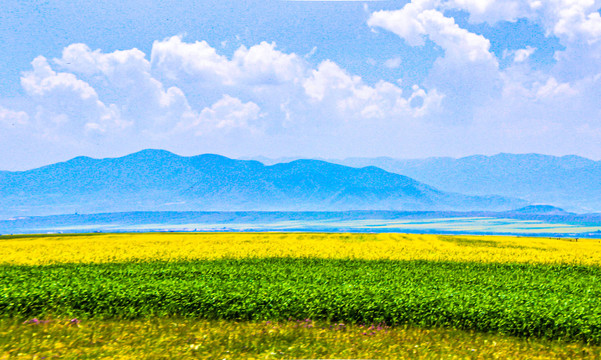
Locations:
{"points": [[329, 79]]}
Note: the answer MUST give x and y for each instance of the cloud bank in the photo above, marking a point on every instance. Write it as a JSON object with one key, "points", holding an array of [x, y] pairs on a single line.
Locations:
{"points": [[189, 92], [190, 97]]}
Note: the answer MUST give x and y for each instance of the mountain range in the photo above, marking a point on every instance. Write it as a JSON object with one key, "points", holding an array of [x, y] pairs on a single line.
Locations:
{"points": [[570, 182], [157, 180]]}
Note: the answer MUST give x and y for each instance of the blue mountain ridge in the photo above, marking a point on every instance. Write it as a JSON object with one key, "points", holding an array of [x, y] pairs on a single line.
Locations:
{"points": [[570, 182], [158, 180]]}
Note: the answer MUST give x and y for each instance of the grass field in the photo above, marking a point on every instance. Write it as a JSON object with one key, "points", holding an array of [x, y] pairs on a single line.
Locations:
{"points": [[161, 338], [542, 292]]}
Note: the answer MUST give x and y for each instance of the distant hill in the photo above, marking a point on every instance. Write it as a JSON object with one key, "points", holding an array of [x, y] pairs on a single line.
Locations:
{"points": [[157, 180], [540, 210], [570, 182]]}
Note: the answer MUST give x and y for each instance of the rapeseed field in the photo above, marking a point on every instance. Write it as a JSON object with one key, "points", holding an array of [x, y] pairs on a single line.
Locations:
{"points": [[107, 248]]}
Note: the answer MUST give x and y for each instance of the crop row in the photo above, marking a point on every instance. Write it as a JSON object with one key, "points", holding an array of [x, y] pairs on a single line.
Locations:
{"points": [[555, 302]]}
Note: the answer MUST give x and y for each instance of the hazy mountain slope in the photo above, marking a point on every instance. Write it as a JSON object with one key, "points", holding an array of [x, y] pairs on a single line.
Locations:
{"points": [[160, 180], [571, 182], [540, 210]]}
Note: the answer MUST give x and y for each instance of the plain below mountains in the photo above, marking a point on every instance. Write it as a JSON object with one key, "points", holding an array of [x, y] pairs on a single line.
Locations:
{"points": [[157, 180]]}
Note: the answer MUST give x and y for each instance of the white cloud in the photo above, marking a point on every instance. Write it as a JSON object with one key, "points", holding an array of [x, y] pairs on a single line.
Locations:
{"points": [[552, 88], [125, 78], [419, 19], [459, 44], [63, 98], [405, 22], [190, 90], [574, 19], [393, 63], [519, 55], [271, 78], [43, 81], [12, 118], [258, 65], [576, 23], [226, 114], [522, 55], [330, 84], [493, 11], [468, 73], [566, 19], [262, 64], [190, 95], [178, 60], [311, 53]]}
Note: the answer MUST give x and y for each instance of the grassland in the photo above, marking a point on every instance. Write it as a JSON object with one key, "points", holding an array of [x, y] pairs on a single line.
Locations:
{"points": [[164, 338], [531, 288]]}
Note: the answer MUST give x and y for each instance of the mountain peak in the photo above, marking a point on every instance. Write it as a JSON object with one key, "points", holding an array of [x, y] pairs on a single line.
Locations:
{"points": [[151, 154]]}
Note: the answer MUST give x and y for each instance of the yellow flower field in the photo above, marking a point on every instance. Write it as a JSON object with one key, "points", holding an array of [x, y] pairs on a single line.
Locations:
{"points": [[103, 248]]}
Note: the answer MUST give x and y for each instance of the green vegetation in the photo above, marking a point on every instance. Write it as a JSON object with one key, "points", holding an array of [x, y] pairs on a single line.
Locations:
{"points": [[543, 301], [176, 338]]}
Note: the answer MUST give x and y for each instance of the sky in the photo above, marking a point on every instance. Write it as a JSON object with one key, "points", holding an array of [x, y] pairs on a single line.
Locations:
{"points": [[321, 79]]}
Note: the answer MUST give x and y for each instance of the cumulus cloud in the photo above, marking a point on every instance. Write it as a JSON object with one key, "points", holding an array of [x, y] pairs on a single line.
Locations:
{"points": [[125, 79], [420, 19], [566, 19], [43, 81], [185, 94], [350, 95], [574, 19], [193, 92], [188, 90], [226, 114], [536, 87], [62, 98], [285, 83], [522, 55], [459, 44], [553, 88], [12, 118], [178, 60], [393, 63], [493, 11], [405, 22], [199, 64], [576, 23], [262, 64], [466, 73]]}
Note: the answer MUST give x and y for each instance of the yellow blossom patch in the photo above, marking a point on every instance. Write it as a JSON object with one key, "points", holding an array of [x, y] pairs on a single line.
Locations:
{"points": [[122, 247]]}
